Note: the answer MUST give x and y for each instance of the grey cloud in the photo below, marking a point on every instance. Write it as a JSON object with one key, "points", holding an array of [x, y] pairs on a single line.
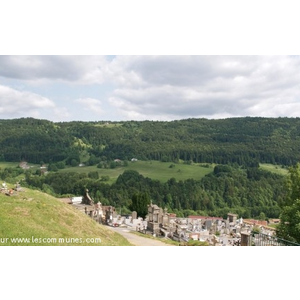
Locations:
{"points": [[208, 86], [67, 68], [171, 87], [171, 102], [186, 70]]}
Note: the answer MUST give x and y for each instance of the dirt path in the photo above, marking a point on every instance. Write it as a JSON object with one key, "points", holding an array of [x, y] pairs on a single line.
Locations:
{"points": [[135, 239]]}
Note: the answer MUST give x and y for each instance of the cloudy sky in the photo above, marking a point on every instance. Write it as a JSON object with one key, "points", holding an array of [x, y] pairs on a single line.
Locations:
{"points": [[167, 87]]}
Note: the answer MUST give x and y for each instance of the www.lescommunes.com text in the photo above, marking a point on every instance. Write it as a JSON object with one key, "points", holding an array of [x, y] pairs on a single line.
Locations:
{"points": [[35, 240]]}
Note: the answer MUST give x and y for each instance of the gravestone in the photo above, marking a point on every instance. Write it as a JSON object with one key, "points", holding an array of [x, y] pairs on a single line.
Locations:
{"points": [[208, 224], [133, 215], [225, 241], [245, 239], [227, 225]]}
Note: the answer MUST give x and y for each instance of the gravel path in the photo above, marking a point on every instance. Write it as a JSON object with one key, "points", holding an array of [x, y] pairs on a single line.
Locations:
{"points": [[135, 239]]}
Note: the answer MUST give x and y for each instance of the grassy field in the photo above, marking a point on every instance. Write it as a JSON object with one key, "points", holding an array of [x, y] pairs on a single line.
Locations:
{"points": [[4, 165], [32, 218], [153, 169], [274, 168]]}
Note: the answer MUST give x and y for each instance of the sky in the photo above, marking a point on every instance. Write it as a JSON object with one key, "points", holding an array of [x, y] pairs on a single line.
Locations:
{"points": [[148, 87]]}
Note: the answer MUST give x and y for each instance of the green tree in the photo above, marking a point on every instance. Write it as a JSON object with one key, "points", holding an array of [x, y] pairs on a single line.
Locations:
{"points": [[262, 216], [293, 185], [93, 175], [140, 202], [74, 162], [289, 227], [60, 165], [104, 178], [112, 164], [52, 167]]}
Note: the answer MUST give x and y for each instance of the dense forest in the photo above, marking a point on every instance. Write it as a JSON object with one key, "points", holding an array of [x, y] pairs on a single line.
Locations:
{"points": [[235, 145], [34, 141], [223, 141]]}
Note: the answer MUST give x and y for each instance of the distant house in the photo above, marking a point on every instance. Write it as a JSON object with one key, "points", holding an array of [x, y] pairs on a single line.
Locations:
{"points": [[255, 222], [76, 199], [24, 165], [134, 159], [274, 221], [43, 169], [117, 160], [81, 165]]}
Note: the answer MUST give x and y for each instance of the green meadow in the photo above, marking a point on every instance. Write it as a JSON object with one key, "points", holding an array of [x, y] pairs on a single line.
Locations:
{"points": [[274, 169], [4, 164], [156, 170]]}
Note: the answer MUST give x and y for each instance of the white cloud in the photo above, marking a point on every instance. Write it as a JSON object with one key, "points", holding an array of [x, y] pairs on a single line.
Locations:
{"points": [[59, 114], [14, 103], [92, 105]]}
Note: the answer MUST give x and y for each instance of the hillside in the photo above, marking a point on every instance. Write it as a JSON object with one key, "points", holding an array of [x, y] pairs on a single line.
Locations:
{"points": [[232, 140], [193, 166], [32, 218]]}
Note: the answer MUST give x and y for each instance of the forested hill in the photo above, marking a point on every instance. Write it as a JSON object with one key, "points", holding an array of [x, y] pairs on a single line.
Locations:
{"points": [[232, 140]]}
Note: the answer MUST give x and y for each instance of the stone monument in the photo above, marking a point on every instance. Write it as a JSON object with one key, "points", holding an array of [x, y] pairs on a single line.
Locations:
{"points": [[86, 199]]}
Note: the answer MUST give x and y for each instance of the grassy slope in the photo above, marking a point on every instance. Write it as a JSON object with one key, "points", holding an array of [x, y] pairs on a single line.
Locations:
{"points": [[34, 214], [274, 169], [4, 165], [153, 169]]}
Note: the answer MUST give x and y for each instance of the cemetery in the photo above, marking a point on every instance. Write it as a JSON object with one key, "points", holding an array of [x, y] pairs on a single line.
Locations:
{"points": [[10, 191], [217, 231]]}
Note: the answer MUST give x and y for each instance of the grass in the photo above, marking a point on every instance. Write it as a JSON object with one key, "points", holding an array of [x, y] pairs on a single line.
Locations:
{"points": [[153, 169], [274, 169], [4, 164], [273, 225], [32, 218]]}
